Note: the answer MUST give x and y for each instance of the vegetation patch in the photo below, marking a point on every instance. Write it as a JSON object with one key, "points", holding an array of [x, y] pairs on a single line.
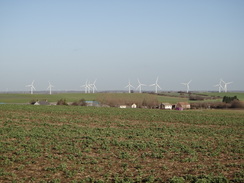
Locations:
{"points": [[89, 144]]}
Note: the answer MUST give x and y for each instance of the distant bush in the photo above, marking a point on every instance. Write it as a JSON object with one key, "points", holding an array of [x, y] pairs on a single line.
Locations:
{"points": [[213, 105], [195, 97], [81, 102], [149, 102], [62, 102], [227, 99], [200, 105], [219, 105], [237, 104], [33, 101]]}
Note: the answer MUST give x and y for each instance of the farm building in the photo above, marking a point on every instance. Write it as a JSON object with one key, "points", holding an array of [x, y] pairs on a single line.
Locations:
{"points": [[133, 106], [165, 106], [182, 105], [45, 102]]}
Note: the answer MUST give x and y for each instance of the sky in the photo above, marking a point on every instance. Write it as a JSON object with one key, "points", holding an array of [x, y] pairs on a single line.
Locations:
{"points": [[71, 42]]}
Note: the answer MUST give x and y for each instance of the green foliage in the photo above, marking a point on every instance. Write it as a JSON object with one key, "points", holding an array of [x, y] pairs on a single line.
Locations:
{"points": [[227, 99], [65, 144], [177, 180], [62, 102], [240, 95]]}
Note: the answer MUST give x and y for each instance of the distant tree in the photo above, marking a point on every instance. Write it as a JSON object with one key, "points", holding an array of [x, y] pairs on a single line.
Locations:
{"points": [[227, 99], [62, 102]]}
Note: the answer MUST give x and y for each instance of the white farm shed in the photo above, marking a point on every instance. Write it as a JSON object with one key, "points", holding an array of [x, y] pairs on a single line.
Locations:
{"points": [[133, 106], [166, 106]]}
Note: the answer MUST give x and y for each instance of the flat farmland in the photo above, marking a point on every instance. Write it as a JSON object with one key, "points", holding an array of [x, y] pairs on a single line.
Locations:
{"points": [[71, 97], [88, 144], [240, 95]]}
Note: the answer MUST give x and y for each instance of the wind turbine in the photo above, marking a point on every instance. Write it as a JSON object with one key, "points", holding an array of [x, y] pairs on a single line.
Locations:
{"points": [[187, 86], [156, 86], [87, 87], [31, 87], [140, 85], [50, 88], [225, 84], [220, 86], [129, 86], [93, 86]]}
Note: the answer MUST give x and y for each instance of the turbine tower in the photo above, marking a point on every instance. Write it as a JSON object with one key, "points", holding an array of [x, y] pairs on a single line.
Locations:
{"points": [[225, 84], [50, 88], [187, 86], [156, 86], [129, 86], [140, 85], [31, 87]]}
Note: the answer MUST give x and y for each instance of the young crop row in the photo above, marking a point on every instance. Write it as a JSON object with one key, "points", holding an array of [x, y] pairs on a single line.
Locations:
{"points": [[66, 143]]}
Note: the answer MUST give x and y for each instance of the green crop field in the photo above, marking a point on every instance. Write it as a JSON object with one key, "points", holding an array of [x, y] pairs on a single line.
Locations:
{"points": [[71, 97], [88, 144], [26, 98], [240, 95]]}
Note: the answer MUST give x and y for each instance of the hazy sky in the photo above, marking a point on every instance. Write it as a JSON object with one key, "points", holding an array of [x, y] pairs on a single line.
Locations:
{"points": [[69, 42]]}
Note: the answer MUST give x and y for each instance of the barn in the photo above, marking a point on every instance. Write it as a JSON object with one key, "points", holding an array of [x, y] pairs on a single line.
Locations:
{"points": [[182, 105], [166, 106]]}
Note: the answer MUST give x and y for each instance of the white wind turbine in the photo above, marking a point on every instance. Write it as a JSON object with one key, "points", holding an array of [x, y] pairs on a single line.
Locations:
{"points": [[156, 86], [220, 86], [225, 84], [129, 86], [93, 86], [187, 86], [140, 85], [50, 88], [31, 87], [87, 87]]}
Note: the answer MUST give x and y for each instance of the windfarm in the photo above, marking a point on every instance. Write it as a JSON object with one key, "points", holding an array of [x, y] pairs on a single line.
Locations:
{"points": [[122, 91], [90, 87]]}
